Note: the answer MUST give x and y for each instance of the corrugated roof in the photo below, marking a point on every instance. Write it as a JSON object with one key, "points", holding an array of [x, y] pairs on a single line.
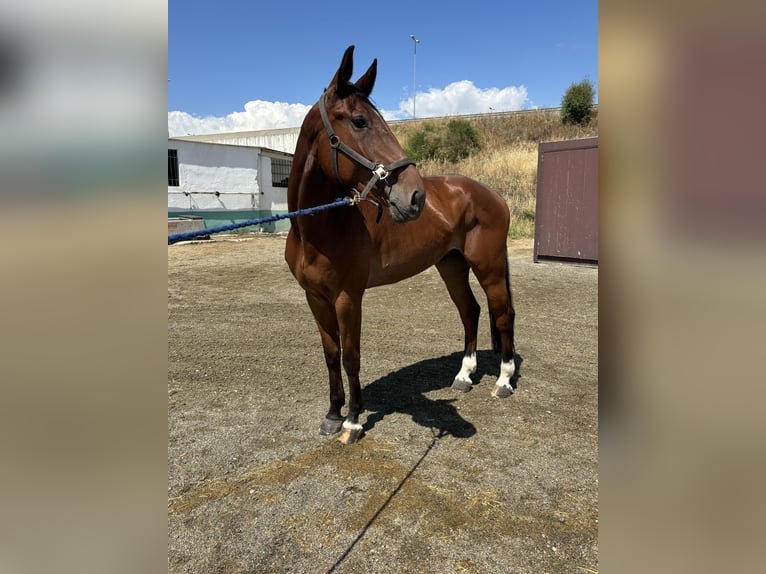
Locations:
{"points": [[242, 134], [199, 139]]}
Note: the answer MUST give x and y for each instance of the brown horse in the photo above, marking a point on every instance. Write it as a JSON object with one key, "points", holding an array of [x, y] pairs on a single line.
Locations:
{"points": [[449, 221]]}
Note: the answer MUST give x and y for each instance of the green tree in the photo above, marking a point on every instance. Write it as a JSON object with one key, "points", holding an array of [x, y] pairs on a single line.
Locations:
{"points": [[577, 103]]}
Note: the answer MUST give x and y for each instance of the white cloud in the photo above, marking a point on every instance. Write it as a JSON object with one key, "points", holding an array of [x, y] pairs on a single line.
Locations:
{"points": [[458, 98], [258, 115]]}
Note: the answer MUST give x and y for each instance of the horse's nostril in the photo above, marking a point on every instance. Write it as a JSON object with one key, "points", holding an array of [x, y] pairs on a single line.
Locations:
{"points": [[417, 198]]}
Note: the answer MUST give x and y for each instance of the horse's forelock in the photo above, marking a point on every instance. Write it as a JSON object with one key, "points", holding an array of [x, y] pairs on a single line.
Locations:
{"points": [[350, 90], [359, 94]]}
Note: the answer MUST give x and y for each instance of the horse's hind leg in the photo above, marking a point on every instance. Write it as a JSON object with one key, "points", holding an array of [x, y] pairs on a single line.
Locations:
{"points": [[327, 323], [453, 269], [494, 278]]}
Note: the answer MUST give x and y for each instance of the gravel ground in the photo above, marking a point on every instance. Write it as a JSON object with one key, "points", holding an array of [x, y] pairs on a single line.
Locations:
{"points": [[442, 481]]}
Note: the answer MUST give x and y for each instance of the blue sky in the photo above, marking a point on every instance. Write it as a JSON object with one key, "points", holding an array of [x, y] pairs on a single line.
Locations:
{"points": [[238, 65]]}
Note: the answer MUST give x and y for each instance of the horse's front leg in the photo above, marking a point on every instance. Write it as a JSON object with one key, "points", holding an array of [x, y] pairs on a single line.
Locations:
{"points": [[327, 323], [349, 312]]}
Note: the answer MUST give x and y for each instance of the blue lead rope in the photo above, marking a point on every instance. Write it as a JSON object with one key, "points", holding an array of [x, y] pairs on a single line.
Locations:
{"points": [[308, 211]]}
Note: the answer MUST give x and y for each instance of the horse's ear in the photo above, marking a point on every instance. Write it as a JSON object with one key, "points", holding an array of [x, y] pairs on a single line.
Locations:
{"points": [[342, 79], [367, 81]]}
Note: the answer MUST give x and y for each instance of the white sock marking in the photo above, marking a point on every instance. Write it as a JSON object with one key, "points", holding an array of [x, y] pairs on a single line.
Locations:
{"points": [[351, 426], [467, 368], [506, 372]]}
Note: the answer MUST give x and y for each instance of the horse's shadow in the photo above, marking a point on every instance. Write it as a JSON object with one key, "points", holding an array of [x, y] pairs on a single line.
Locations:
{"points": [[404, 391]]}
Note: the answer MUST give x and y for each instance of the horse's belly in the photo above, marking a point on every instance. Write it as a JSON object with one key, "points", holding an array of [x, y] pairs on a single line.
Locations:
{"points": [[400, 256]]}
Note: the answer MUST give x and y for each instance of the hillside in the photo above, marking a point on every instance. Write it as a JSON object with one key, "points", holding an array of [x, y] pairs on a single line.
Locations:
{"points": [[507, 161]]}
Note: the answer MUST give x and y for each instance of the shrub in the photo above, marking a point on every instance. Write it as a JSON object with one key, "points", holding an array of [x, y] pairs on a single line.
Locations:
{"points": [[456, 140], [423, 144], [577, 103], [460, 141]]}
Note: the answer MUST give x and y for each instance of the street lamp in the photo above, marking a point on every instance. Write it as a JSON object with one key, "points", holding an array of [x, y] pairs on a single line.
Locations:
{"points": [[415, 43]]}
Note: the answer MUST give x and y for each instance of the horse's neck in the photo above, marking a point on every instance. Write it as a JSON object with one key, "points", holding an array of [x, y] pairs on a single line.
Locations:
{"points": [[315, 189], [309, 186]]}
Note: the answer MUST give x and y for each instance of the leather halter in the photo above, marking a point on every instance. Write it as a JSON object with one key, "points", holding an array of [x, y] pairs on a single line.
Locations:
{"points": [[379, 171]]}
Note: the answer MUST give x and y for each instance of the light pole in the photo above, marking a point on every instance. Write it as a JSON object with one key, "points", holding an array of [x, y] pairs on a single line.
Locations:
{"points": [[415, 43]]}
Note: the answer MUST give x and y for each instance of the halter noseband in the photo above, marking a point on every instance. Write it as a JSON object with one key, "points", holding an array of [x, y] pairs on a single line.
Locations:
{"points": [[379, 171]]}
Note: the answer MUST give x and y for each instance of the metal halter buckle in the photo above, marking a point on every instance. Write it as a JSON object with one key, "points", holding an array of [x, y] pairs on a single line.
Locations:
{"points": [[380, 172]]}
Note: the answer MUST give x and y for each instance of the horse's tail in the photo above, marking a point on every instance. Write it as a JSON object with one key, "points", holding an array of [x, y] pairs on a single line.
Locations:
{"points": [[494, 333]]}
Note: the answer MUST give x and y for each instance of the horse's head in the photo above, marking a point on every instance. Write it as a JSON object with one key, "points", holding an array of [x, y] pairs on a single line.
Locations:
{"points": [[360, 151]]}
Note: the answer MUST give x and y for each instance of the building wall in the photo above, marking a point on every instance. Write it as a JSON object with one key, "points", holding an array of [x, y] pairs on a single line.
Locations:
{"points": [[240, 175], [204, 169], [272, 199]]}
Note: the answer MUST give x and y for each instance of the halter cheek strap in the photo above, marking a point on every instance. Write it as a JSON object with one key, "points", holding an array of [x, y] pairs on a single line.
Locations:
{"points": [[378, 170]]}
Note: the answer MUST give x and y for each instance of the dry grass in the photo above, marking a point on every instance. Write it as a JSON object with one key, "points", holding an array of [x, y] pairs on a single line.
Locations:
{"points": [[507, 161]]}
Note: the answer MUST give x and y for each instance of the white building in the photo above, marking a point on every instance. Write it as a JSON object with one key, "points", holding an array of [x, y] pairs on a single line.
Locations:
{"points": [[225, 183]]}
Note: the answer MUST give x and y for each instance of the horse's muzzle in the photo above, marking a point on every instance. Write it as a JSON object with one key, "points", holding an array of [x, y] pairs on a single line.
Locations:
{"points": [[406, 207]]}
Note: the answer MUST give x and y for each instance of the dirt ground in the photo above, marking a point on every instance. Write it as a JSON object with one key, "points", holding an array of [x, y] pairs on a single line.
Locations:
{"points": [[442, 481]]}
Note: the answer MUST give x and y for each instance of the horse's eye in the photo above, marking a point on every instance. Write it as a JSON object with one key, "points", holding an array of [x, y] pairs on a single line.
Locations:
{"points": [[359, 122]]}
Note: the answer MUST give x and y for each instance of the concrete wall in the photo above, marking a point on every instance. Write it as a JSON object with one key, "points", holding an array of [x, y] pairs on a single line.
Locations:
{"points": [[206, 168], [242, 177]]}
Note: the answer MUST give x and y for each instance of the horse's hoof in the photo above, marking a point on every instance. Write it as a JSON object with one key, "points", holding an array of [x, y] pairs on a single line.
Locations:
{"points": [[351, 434], [330, 426], [460, 385], [501, 391]]}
